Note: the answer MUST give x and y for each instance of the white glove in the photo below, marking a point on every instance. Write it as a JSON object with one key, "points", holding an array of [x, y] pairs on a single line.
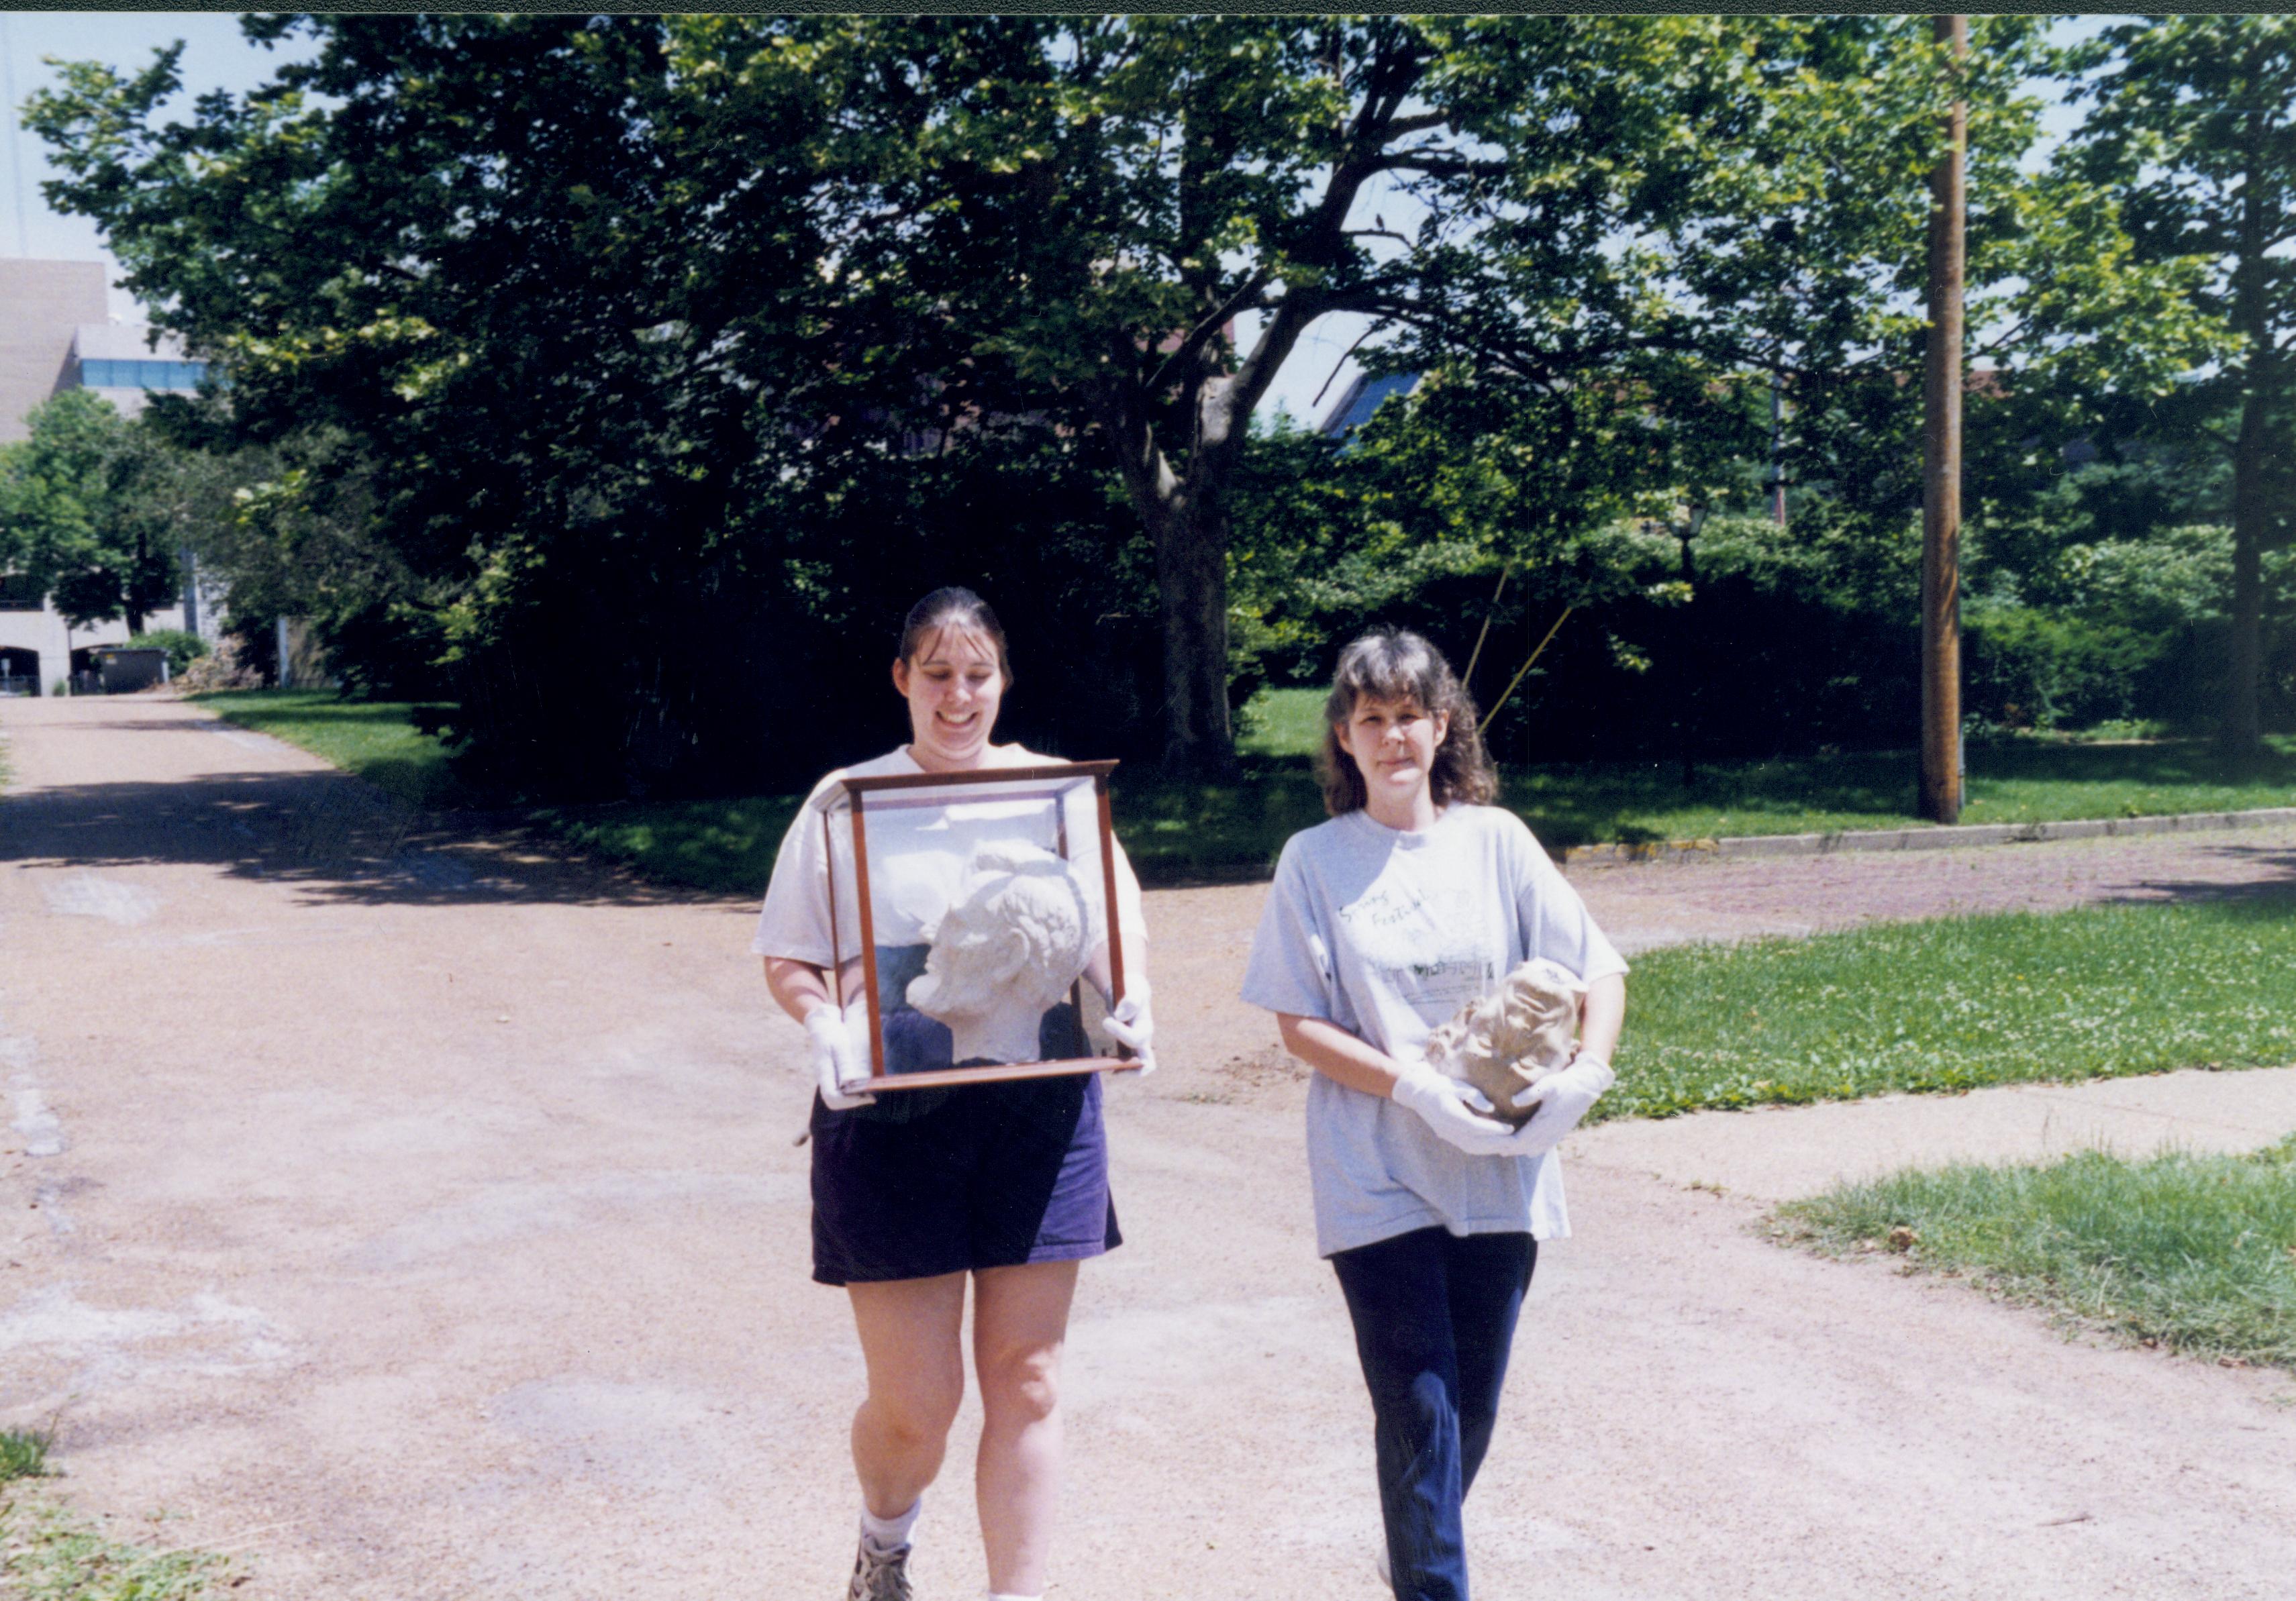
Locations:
{"points": [[1133, 1026], [1561, 1098], [1450, 1108], [837, 1059]]}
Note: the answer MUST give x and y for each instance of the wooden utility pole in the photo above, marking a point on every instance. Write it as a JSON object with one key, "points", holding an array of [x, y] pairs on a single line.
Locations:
{"points": [[1941, 457]]}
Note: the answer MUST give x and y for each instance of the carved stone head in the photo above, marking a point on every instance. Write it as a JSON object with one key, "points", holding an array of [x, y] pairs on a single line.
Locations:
{"points": [[1525, 1029]]}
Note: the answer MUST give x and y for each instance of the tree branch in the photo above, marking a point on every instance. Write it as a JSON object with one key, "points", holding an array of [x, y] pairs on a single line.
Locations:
{"points": [[1185, 352]]}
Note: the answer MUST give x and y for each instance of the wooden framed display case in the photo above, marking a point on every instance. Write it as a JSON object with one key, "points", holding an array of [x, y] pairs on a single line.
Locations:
{"points": [[975, 913]]}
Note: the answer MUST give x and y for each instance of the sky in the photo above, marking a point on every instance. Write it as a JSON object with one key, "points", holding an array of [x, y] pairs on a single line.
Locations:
{"points": [[216, 56]]}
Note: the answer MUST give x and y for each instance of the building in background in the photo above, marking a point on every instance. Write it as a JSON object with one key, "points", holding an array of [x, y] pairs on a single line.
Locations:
{"points": [[1360, 399], [43, 307], [55, 335], [117, 361]]}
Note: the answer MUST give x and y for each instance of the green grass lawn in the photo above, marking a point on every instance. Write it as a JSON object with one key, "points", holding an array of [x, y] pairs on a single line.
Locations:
{"points": [[376, 740], [1283, 723], [2010, 780], [2194, 1253], [1191, 832], [1955, 1002], [1173, 833], [2032, 780], [727, 846]]}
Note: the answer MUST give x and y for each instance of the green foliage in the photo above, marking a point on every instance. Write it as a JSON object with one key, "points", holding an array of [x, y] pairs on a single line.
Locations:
{"points": [[712, 474], [893, 240], [2188, 135], [182, 648], [2027, 668], [2194, 1253], [1953, 1003], [48, 1554], [24, 1453], [87, 507], [775, 323]]}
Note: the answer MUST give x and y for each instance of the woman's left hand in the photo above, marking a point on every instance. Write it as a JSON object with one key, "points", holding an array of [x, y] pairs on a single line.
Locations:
{"points": [[1133, 1026], [1562, 1098]]}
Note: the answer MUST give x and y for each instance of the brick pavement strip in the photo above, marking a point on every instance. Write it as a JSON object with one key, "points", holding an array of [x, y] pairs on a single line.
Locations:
{"points": [[1673, 899], [1959, 836]]}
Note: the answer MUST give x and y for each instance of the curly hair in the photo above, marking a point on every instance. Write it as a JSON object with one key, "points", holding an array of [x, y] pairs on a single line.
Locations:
{"points": [[1396, 665]]}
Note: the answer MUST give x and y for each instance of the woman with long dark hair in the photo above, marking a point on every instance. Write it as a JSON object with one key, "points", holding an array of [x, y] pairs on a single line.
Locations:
{"points": [[1001, 1186]]}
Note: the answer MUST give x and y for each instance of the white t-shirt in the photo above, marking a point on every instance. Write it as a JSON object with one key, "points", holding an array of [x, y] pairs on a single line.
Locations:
{"points": [[795, 920], [1385, 932]]}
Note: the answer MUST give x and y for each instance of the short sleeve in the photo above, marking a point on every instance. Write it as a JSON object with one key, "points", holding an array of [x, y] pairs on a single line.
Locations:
{"points": [[1555, 922], [795, 920], [1131, 913], [1291, 966]]}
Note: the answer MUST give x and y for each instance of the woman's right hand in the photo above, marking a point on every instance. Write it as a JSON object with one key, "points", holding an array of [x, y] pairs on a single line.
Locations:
{"points": [[1451, 1109], [836, 1059]]}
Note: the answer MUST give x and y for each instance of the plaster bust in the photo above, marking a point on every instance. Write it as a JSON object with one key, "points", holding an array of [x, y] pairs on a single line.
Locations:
{"points": [[1524, 1030], [1006, 953]]}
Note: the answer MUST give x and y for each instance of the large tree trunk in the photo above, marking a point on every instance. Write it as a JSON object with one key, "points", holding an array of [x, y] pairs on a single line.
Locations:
{"points": [[1186, 519], [1191, 586]]}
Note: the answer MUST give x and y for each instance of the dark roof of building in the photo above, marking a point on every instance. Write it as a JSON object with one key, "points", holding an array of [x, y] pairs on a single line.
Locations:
{"points": [[1361, 400]]}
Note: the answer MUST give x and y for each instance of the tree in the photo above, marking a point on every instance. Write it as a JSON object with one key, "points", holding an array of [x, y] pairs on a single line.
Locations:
{"points": [[2190, 131], [532, 359], [624, 319], [90, 512], [1094, 205]]}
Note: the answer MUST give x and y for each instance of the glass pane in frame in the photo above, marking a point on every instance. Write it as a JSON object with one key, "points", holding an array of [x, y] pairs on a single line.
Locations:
{"points": [[974, 916]]}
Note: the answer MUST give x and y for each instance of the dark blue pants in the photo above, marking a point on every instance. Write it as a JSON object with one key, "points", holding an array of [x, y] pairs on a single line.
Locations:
{"points": [[1434, 1318]]}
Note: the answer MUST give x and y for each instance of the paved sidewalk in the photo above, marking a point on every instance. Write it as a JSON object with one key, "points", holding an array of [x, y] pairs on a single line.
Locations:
{"points": [[1782, 1153]]}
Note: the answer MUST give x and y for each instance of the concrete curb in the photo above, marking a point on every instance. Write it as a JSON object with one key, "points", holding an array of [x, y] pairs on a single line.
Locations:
{"points": [[1919, 840]]}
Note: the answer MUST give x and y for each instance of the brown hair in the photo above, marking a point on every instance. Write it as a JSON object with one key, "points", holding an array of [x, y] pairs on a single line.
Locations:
{"points": [[1396, 665], [954, 607]]}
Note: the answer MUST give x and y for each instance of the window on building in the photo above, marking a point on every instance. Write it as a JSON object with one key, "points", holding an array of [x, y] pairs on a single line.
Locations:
{"points": [[19, 594], [144, 373]]}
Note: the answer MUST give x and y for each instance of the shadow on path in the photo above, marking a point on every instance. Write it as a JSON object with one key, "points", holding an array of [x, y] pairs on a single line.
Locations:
{"points": [[336, 838]]}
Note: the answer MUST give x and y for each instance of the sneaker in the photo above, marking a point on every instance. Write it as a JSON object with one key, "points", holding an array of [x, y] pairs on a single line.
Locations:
{"points": [[1379, 1561], [880, 1575]]}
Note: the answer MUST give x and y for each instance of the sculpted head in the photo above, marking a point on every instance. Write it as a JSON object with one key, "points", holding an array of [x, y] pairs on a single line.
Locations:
{"points": [[1522, 1030], [1006, 953]]}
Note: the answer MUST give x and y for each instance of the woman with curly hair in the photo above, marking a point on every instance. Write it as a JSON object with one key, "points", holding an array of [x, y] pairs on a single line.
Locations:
{"points": [[1419, 895]]}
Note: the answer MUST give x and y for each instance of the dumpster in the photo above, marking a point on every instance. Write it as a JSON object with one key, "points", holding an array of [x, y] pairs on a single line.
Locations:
{"points": [[123, 669]]}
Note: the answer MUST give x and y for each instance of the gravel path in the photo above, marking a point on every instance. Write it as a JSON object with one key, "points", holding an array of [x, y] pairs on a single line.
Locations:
{"points": [[417, 1214]]}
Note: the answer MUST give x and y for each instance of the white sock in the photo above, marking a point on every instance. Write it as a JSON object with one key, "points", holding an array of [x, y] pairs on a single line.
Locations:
{"points": [[1001, 1596], [887, 1533]]}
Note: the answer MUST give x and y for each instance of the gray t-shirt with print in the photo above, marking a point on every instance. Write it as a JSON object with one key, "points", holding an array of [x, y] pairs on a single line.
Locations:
{"points": [[1385, 932]]}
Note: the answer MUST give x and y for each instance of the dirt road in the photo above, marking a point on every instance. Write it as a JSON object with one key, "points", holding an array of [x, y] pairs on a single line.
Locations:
{"points": [[417, 1215]]}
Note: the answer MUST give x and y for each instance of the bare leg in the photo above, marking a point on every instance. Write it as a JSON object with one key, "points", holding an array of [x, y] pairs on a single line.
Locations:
{"points": [[911, 1339], [1020, 1322]]}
